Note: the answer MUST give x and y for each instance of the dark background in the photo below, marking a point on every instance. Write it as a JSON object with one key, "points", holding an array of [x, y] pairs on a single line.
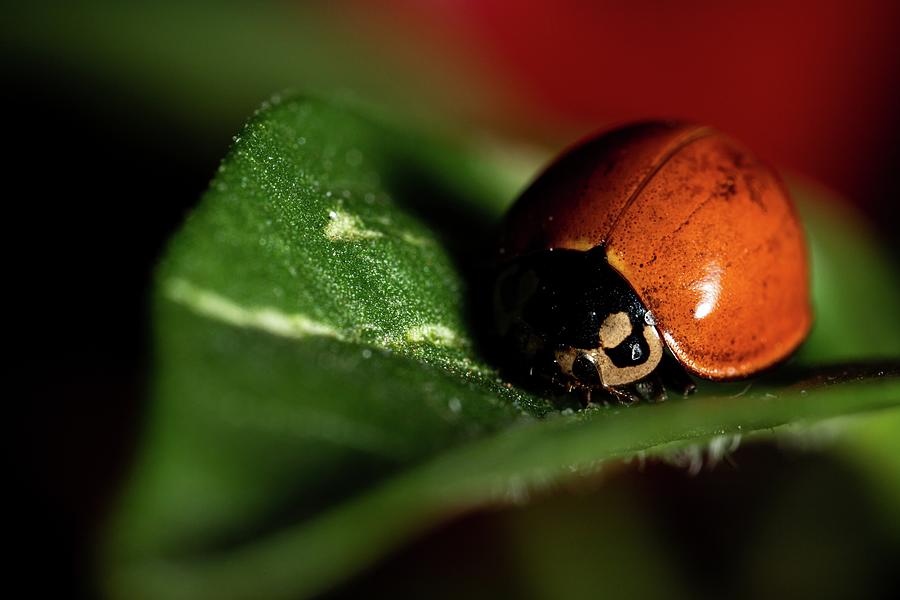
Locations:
{"points": [[104, 157]]}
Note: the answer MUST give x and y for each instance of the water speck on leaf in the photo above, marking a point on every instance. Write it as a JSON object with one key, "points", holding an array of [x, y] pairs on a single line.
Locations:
{"points": [[345, 227], [454, 405]]}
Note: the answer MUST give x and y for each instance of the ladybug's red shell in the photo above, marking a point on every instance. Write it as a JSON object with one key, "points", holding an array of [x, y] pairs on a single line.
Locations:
{"points": [[704, 233]]}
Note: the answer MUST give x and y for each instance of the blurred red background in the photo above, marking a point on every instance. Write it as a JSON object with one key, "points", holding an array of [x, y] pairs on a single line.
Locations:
{"points": [[810, 86]]}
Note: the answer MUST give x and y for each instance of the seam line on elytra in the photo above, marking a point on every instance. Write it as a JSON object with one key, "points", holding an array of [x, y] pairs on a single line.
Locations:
{"points": [[697, 134]]}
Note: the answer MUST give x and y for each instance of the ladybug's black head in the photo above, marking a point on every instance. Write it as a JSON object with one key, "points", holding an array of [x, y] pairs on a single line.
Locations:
{"points": [[574, 305]]}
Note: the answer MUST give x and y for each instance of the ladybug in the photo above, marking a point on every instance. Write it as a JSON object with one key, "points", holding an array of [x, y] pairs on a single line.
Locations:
{"points": [[649, 254]]}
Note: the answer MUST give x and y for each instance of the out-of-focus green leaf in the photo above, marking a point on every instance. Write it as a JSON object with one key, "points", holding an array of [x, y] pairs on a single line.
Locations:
{"points": [[591, 546], [205, 64], [855, 286], [872, 445], [320, 396]]}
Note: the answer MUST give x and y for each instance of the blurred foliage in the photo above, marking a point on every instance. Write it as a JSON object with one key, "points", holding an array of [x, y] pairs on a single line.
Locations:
{"points": [[322, 391], [855, 285], [206, 64]]}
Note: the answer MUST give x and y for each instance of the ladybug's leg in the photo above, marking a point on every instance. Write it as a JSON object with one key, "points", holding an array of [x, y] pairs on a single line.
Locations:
{"points": [[651, 389], [584, 396], [675, 377], [589, 396], [622, 395]]}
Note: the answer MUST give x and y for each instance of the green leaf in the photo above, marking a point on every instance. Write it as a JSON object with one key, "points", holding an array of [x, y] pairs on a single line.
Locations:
{"points": [[204, 64], [321, 395]]}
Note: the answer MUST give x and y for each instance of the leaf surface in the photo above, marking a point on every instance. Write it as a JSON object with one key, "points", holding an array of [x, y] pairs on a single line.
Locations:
{"points": [[322, 392]]}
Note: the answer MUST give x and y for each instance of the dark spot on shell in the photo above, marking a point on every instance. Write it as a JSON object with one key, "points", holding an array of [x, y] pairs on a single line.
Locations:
{"points": [[726, 188], [753, 187]]}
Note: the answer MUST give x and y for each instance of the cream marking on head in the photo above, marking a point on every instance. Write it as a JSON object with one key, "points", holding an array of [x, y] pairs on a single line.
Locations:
{"points": [[612, 375], [615, 329]]}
